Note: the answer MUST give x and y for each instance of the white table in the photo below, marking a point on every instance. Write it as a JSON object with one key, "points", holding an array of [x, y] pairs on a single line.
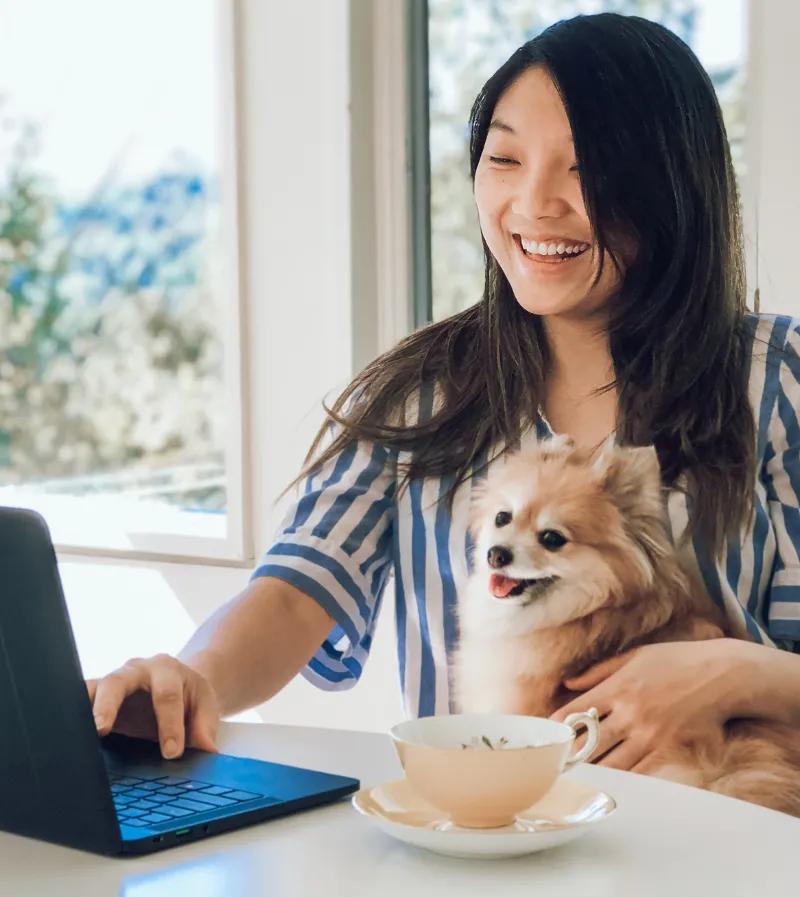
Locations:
{"points": [[664, 839]]}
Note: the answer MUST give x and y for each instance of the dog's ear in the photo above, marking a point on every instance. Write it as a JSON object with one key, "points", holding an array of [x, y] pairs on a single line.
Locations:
{"points": [[629, 470], [558, 444], [479, 507], [605, 457]]}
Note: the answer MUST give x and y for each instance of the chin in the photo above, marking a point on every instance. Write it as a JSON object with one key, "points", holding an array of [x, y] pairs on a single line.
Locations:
{"points": [[549, 304]]}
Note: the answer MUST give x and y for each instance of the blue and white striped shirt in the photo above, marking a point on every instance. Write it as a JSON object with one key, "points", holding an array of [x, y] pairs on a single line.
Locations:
{"points": [[348, 531]]}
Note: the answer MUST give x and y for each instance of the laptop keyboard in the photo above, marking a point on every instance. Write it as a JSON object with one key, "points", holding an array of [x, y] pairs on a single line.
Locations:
{"points": [[141, 802]]}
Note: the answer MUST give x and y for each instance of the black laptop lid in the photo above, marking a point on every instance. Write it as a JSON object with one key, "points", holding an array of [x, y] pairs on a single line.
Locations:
{"points": [[53, 782]]}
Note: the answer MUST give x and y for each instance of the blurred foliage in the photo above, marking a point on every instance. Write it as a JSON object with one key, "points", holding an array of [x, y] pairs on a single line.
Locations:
{"points": [[109, 355], [469, 40]]}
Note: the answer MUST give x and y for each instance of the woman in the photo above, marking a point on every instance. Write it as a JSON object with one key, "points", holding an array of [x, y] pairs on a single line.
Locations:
{"points": [[614, 302]]}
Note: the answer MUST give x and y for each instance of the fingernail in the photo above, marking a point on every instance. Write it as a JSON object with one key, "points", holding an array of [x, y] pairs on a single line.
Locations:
{"points": [[99, 721], [170, 747]]}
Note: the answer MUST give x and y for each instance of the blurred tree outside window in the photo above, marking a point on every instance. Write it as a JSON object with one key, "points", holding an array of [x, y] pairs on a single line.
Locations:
{"points": [[111, 313], [470, 39]]}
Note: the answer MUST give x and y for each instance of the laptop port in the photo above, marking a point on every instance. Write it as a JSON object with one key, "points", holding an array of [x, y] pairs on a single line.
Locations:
{"points": [[182, 832]]}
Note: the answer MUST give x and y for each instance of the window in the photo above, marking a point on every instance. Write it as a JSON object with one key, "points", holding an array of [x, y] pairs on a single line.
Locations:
{"points": [[470, 39], [120, 416]]}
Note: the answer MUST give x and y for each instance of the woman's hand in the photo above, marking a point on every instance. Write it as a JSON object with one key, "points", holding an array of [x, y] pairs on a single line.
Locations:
{"points": [[655, 696], [159, 698]]}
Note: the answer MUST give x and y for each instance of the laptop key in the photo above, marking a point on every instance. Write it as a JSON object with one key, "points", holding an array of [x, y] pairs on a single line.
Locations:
{"points": [[174, 790], [175, 812], [213, 800], [125, 780], [137, 792], [162, 798], [242, 795], [170, 780], [216, 789], [156, 817], [144, 805], [122, 800], [194, 786], [191, 805], [151, 786], [134, 822]]}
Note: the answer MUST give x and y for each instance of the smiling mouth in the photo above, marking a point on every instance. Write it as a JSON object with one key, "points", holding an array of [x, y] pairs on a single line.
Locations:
{"points": [[506, 587], [556, 259]]}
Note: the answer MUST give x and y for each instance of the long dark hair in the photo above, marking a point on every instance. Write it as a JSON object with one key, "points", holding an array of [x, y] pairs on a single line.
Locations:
{"points": [[655, 165]]}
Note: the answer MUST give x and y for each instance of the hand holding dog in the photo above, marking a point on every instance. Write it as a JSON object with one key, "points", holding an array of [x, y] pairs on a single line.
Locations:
{"points": [[656, 696]]}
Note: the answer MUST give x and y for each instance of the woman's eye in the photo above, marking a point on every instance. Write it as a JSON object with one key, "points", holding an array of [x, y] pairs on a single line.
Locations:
{"points": [[502, 519], [552, 539], [575, 168], [501, 160]]}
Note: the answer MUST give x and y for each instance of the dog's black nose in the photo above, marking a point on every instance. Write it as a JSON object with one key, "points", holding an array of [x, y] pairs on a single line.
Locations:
{"points": [[499, 556]]}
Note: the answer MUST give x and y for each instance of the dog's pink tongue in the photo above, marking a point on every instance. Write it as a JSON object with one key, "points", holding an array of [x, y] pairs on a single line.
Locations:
{"points": [[500, 585]]}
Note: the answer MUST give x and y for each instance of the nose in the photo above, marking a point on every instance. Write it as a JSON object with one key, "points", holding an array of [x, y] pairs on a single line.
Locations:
{"points": [[541, 194], [499, 556]]}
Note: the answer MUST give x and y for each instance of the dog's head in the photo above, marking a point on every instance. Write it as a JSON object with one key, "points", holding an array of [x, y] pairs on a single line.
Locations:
{"points": [[559, 533]]}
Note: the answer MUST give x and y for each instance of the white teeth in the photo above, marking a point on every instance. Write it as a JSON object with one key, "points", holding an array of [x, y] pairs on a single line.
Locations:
{"points": [[531, 246]]}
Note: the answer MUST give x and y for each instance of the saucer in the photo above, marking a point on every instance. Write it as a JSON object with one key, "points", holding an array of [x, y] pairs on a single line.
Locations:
{"points": [[566, 812]]}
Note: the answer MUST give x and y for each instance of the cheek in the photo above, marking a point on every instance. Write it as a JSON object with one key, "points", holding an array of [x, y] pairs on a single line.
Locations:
{"points": [[489, 202]]}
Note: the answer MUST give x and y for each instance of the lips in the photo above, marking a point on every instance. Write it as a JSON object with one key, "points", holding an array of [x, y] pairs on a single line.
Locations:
{"points": [[506, 586]]}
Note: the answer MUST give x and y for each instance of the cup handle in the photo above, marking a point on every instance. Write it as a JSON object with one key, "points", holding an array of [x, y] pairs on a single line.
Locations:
{"points": [[590, 721]]}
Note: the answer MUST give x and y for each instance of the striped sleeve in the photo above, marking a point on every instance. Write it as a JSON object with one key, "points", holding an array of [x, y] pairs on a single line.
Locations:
{"points": [[335, 545], [782, 478]]}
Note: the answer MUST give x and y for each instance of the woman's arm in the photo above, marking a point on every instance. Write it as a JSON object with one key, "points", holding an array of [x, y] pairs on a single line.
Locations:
{"points": [[768, 682], [256, 643]]}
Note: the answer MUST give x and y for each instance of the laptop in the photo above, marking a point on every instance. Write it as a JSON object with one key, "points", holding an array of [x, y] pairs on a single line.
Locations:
{"points": [[60, 782]]}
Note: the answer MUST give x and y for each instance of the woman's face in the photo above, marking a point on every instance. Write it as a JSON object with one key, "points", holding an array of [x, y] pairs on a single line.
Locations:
{"points": [[528, 193]]}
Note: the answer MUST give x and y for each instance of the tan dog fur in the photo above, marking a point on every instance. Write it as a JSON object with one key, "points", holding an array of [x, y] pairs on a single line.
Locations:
{"points": [[620, 585]]}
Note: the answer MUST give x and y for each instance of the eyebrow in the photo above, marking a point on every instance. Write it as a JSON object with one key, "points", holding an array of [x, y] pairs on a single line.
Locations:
{"points": [[500, 125], [497, 124]]}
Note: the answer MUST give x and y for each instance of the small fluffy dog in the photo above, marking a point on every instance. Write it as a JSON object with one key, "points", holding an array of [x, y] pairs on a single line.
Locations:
{"points": [[573, 564]]}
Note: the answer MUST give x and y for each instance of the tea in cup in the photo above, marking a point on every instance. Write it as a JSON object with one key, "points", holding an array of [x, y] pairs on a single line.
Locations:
{"points": [[482, 769]]}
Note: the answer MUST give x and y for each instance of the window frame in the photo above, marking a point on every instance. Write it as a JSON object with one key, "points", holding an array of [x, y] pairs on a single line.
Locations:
{"points": [[235, 547], [349, 102]]}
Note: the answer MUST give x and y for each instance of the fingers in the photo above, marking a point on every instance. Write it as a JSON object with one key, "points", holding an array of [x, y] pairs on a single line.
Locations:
{"points": [[596, 674], [625, 756], [167, 688], [110, 692], [204, 721], [596, 698], [610, 734]]}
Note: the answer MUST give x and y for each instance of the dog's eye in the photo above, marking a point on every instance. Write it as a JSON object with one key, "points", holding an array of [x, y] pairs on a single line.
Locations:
{"points": [[552, 539], [502, 518]]}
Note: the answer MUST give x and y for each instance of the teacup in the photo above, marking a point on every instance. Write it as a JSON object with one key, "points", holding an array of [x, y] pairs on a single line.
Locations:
{"points": [[482, 769]]}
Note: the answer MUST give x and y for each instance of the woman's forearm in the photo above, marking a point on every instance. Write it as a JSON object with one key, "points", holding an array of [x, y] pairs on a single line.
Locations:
{"points": [[252, 646], [767, 682]]}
